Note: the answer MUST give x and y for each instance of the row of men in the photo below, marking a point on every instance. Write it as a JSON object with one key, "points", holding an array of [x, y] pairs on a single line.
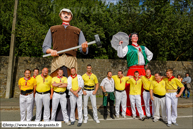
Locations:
{"points": [[162, 92]]}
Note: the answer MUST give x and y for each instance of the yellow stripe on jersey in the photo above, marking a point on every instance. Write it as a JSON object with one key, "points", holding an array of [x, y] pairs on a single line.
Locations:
{"points": [[159, 88], [57, 80], [43, 85], [173, 84], [27, 85], [89, 81], [120, 83], [147, 81], [75, 84], [135, 86]]}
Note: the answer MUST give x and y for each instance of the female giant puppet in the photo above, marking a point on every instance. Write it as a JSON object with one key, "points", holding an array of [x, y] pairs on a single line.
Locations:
{"points": [[137, 57]]}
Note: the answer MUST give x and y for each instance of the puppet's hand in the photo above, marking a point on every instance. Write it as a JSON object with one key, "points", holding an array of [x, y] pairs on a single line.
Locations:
{"points": [[84, 46], [120, 42], [54, 53]]}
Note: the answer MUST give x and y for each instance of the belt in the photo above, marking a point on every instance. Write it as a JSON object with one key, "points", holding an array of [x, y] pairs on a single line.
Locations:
{"points": [[59, 92], [43, 92], [119, 90], [171, 91], [146, 90], [159, 96], [89, 89], [27, 92], [86, 86]]}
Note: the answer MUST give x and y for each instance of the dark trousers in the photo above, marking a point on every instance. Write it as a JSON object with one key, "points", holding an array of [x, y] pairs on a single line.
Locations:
{"points": [[188, 91], [111, 102]]}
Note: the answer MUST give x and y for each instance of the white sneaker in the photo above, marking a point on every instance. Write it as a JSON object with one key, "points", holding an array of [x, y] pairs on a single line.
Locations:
{"points": [[134, 117], [125, 117], [97, 121], [85, 121], [155, 120], [117, 117], [68, 123]]}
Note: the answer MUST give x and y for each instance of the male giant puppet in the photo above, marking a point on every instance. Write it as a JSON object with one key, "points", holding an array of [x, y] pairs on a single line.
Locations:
{"points": [[63, 37], [137, 57]]}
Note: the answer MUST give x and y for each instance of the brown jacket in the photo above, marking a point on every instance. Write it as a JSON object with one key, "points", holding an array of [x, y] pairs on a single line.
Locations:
{"points": [[65, 38]]}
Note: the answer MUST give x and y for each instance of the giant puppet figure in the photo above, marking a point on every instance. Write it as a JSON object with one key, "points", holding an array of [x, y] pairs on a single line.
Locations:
{"points": [[137, 57], [60, 37]]}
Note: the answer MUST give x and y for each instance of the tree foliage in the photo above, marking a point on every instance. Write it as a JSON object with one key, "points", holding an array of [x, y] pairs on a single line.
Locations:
{"points": [[165, 27]]}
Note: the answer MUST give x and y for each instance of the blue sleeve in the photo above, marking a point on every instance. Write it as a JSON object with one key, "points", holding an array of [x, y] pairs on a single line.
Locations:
{"points": [[47, 44], [82, 40]]}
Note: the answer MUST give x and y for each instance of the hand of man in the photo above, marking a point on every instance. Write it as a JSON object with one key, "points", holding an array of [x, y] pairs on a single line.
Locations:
{"points": [[84, 92], [51, 96], [54, 53], [76, 95], [178, 95], [120, 42], [76, 92], [54, 84], [152, 98], [94, 92]]}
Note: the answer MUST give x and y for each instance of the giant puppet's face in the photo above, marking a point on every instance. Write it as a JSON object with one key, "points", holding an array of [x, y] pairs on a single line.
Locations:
{"points": [[134, 38], [66, 16]]}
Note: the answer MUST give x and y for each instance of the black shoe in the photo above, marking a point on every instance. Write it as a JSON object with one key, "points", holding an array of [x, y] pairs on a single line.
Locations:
{"points": [[112, 117], [72, 123], [105, 117], [143, 118], [79, 124], [148, 117]]}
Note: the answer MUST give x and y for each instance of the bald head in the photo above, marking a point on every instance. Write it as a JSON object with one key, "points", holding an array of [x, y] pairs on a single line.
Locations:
{"points": [[45, 72]]}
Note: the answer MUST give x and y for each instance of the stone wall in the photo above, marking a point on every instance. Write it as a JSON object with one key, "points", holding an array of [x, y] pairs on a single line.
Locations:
{"points": [[100, 68]]}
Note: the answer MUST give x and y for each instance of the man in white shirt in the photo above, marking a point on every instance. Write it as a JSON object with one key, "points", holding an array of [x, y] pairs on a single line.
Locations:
{"points": [[107, 85], [75, 85]]}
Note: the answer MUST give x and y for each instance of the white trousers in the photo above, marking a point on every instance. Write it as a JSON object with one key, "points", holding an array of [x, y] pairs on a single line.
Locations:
{"points": [[171, 101], [73, 101], [56, 99], [147, 98], [136, 99], [157, 102], [45, 99], [93, 102], [121, 98], [25, 103]]}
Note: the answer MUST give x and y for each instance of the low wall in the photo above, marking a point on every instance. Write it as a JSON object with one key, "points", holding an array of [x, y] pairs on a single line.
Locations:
{"points": [[100, 68]]}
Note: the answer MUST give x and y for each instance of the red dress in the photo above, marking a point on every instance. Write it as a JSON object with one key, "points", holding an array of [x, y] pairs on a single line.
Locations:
{"points": [[131, 70]]}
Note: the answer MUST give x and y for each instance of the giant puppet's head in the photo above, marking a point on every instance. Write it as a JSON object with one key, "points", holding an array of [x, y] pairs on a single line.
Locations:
{"points": [[66, 15], [133, 37]]}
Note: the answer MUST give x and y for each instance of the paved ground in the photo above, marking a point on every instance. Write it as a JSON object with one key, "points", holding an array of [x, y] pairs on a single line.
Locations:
{"points": [[13, 103], [9, 111], [185, 120]]}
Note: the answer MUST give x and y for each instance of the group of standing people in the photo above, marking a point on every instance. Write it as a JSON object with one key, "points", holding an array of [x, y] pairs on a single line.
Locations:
{"points": [[45, 88], [65, 88], [160, 90]]}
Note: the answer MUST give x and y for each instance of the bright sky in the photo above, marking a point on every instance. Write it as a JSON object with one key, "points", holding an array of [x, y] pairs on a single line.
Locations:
{"points": [[112, 1]]}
